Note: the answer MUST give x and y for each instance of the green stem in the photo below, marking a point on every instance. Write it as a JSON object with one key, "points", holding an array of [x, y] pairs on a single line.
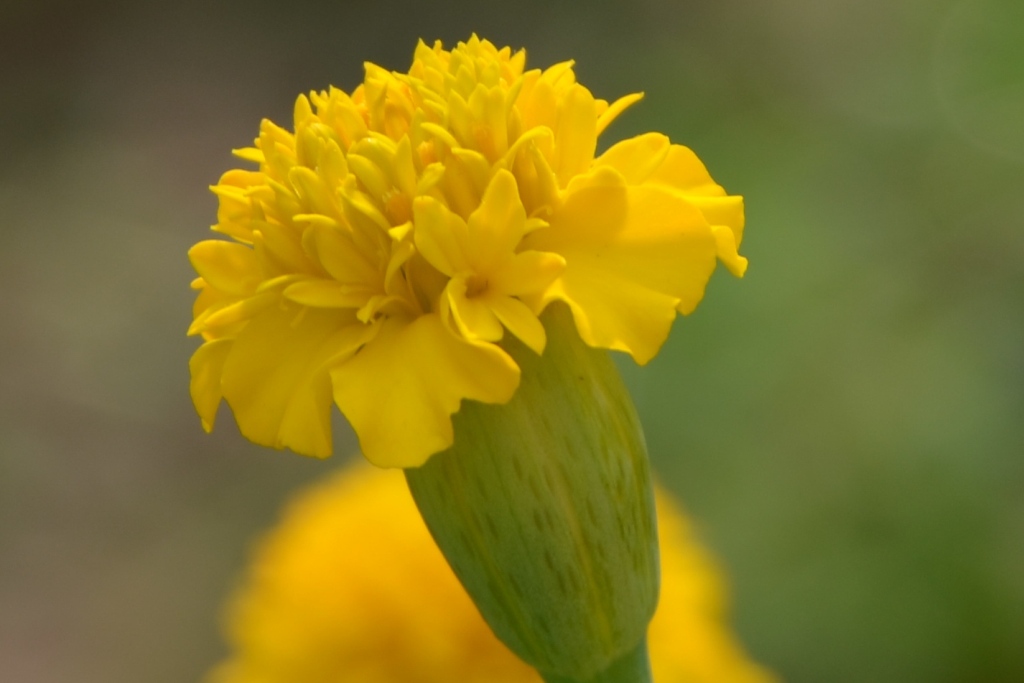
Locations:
{"points": [[633, 667]]}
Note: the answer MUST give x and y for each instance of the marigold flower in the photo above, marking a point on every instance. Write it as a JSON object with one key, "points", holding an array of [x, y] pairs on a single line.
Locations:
{"points": [[350, 587], [389, 241]]}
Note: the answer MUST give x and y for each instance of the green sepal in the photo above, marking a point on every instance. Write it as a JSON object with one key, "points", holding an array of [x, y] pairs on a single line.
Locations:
{"points": [[545, 511], [632, 667]]}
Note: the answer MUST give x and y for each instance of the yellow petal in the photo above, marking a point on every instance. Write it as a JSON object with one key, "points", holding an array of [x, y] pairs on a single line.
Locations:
{"points": [[403, 168], [497, 225], [633, 256], [725, 242], [210, 298], [723, 211], [526, 138], [614, 312], [651, 158], [252, 154], [527, 272], [340, 255], [395, 280], [537, 103], [472, 315], [441, 236], [538, 185], [232, 313], [520, 320], [327, 294], [617, 107], [460, 120], [488, 108], [279, 249], [683, 171], [441, 133], [476, 167], [576, 134], [636, 158], [228, 266], [316, 196], [206, 367], [465, 178], [235, 208], [361, 212], [400, 390], [276, 376], [372, 178]]}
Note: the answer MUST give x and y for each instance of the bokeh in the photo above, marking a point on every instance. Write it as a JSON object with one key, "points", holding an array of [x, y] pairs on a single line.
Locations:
{"points": [[845, 424]]}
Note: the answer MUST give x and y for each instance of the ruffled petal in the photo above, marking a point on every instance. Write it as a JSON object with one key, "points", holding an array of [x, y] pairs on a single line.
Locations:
{"points": [[400, 390], [683, 171], [276, 375], [614, 312], [206, 367], [634, 255], [652, 159], [636, 158], [725, 244], [724, 211]]}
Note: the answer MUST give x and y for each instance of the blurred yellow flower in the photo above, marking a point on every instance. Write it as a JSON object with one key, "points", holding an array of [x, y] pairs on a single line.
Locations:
{"points": [[351, 587], [389, 241]]}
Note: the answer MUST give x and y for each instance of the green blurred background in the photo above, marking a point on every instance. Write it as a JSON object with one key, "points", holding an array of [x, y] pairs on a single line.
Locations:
{"points": [[846, 424]]}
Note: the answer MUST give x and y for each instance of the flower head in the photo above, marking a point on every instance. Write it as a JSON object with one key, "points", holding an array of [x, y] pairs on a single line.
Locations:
{"points": [[389, 241], [350, 587]]}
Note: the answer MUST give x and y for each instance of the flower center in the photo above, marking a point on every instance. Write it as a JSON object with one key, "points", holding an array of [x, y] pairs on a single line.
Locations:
{"points": [[475, 285]]}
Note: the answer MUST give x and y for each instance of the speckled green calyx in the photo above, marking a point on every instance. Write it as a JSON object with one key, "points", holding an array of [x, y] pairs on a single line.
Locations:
{"points": [[544, 509]]}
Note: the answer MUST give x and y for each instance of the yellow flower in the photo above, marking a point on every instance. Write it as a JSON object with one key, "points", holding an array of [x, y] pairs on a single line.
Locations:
{"points": [[350, 587], [388, 242]]}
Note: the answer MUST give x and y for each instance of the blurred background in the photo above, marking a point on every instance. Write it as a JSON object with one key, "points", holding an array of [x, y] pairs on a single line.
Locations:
{"points": [[846, 424]]}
